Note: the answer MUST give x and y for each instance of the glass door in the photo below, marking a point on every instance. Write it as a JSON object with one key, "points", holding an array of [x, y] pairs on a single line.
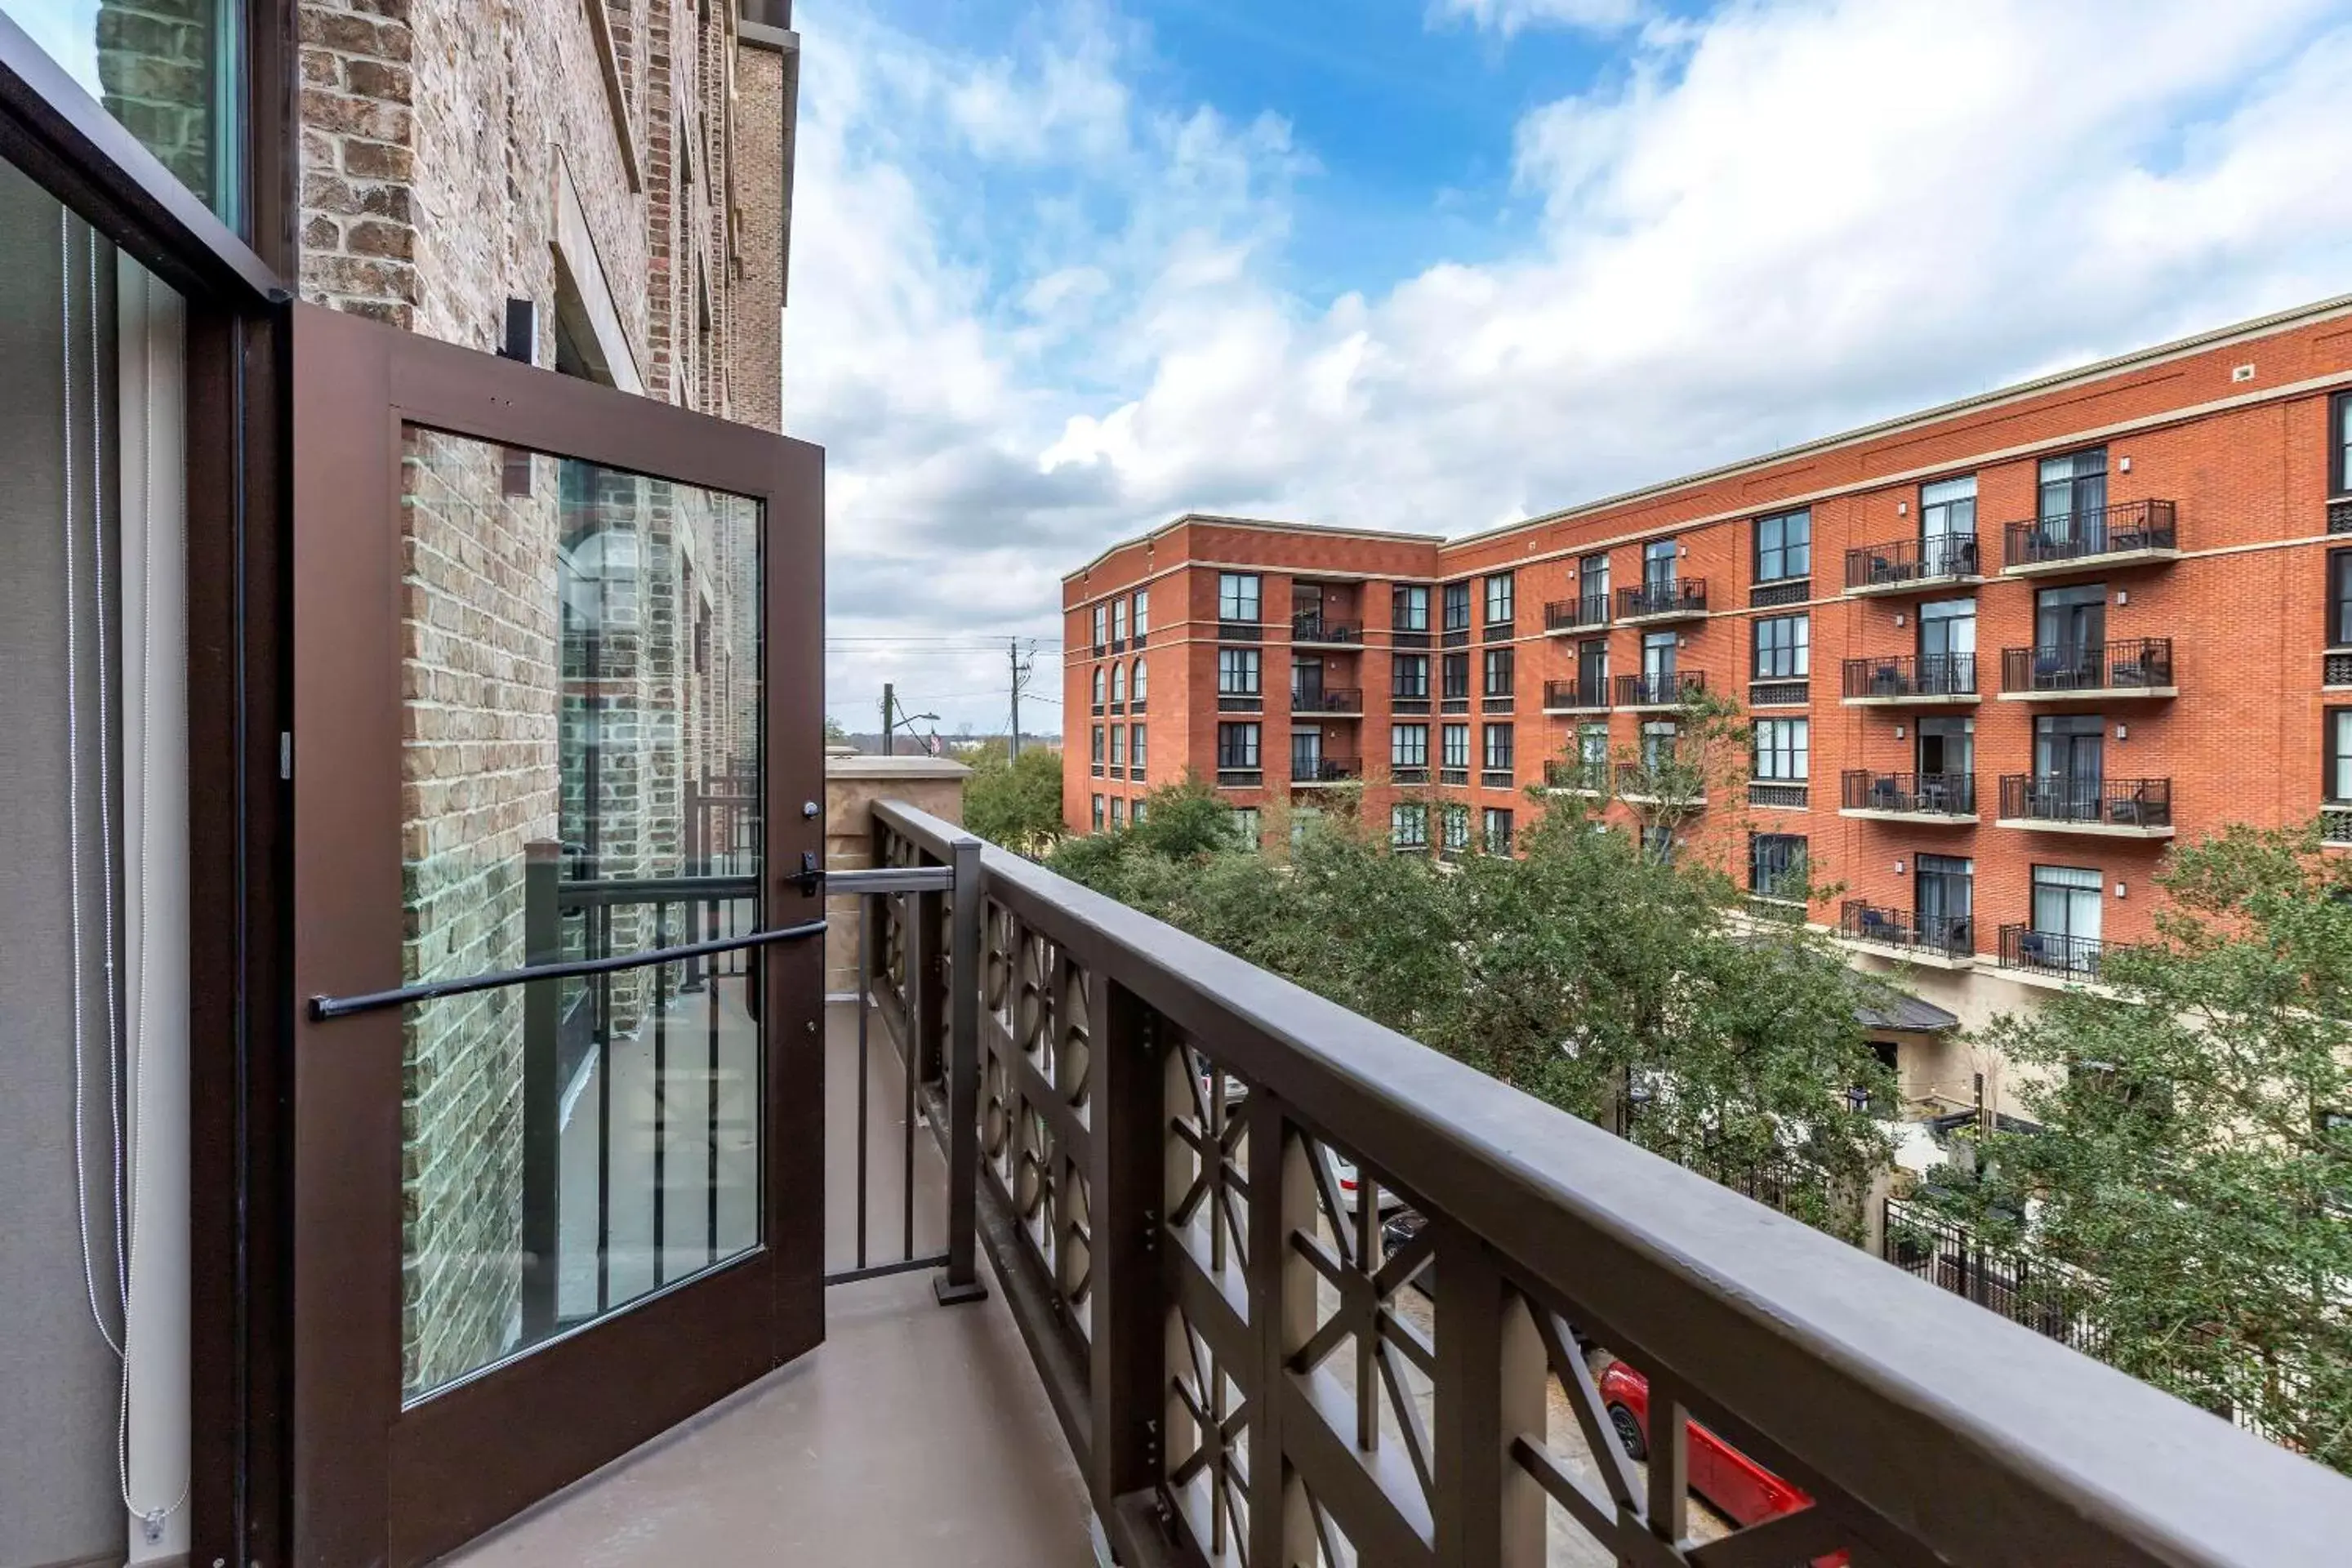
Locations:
{"points": [[2069, 763], [1948, 647], [1658, 666], [2073, 511], [557, 1173], [1948, 528], [2070, 636], [2065, 933]]}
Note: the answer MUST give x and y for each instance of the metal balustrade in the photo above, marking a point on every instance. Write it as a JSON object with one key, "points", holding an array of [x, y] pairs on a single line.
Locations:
{"points": [[1904, 563], [1326, 770], [1902, 677], [1677, 598], [1318, 629], [1345, 699], [2129, 528], [2086, 801], [1669, 689], [1580, 693], [2129, 665], [2051, 952], [1909, 795], [1954, 936], [1303, 1292], [1576, 615]]}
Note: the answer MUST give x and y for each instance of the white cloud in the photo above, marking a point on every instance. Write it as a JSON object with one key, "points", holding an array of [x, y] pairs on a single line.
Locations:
{"points": [[1510, 16], [1768, 224]]}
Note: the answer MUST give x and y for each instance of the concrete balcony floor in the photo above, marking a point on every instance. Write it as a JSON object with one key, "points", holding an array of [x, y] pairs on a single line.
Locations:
{"points": [[916, 1433]]}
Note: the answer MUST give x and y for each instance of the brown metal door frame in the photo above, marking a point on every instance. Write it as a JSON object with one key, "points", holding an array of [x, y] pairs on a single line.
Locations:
{"points": [[373, 1482]]}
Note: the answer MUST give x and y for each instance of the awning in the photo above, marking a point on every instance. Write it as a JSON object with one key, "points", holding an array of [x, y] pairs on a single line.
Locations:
{"points": [[1908, 1014]]}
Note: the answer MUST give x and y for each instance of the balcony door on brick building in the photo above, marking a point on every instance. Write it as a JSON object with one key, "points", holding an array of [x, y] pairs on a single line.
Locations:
{"points": [[557, 685]]}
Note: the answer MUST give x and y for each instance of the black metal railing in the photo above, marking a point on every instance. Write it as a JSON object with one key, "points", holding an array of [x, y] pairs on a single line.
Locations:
{"points": [[2041, 1293], [2129, 528], [1240, 631], [1896, 676], [1679, 596], [1409, 637], [1321, 628], [1328, 700], [1900, 562], [1173, 1143], [1408, 773], [1779, 592], [1779, 693], [2335, 823], [2050, 952], [2339, 517], [1660, 690], [1909, 795], [2088, 801], [1561, 773], [1326, 770], [1778, 795], [1954, 936], [2133, 664], [1240, 778], [1592, 693], [1576, 615]]}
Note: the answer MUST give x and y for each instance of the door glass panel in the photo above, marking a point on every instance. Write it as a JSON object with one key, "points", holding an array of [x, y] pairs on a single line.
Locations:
{"points": [[581, 779]]}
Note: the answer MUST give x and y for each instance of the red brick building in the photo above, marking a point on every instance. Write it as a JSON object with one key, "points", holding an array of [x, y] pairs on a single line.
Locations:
{"points": [[1998, 654]]}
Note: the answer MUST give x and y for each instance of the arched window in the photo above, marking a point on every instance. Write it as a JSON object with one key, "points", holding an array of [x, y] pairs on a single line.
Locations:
{"points": [[1098, 686]]}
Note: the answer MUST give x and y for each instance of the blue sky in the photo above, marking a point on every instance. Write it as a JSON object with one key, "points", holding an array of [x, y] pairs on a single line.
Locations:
{"points": [[1065, 268]]}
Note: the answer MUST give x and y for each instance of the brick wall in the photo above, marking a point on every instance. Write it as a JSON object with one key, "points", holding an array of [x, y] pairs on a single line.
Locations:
{"points": [[155, 70]]}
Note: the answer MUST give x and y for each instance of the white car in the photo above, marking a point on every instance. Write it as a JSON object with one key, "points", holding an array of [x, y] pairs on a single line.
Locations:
{"points": [[1351, 1182]]}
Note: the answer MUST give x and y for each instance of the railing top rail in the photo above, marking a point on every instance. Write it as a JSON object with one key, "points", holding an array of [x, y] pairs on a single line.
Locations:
{"points": [[1979, 1438]]}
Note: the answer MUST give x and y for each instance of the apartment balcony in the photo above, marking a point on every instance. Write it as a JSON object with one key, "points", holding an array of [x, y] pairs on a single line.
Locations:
{"points": [[1653, 692], [1945, 941], [1907, 681], [2113, 808], [2052, 952], [1315, 771], [1684, 599], [2135, 670], [1583, 614], [1563, 776], [1946, 798], [2132, 533], [1576, 695], [1318, 631], [1910, 565], [1328, 702]]}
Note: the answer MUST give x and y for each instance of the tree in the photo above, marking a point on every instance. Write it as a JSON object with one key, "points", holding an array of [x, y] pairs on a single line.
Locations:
{"points": [[1624, 988], [1016, 804], [2194, 1153], [834, 735]]}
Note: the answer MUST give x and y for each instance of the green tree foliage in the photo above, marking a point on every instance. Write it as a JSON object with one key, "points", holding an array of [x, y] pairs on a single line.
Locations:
{"points": [[834, 735], [1625, 989], [2194, 1155], [1014, 803]]}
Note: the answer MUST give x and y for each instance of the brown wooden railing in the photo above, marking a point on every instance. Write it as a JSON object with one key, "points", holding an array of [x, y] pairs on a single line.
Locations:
{"points": [[1193, 1183]]}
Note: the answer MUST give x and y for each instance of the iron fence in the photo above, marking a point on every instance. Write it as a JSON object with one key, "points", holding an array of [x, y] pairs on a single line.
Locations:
{"points": [[1675, 596], [1903, 562], [2129, 528], [2090, 801], [1896, 676], [2133, 664], [1911, 794]]}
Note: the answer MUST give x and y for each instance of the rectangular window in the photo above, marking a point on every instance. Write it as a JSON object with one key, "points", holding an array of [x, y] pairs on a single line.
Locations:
{"points": [[1119, 745], [1458, 827], [1409, 745], [1499, 669], [1306, 684], [1659, 739], [1498, 830], [1457, 675], [1498, 748], [1098, 742], [1592, 669], [1409, 609], [1135, 749], [1237, 672], [1118, 624], [1783, 647], [1456, 741], [1499, 592], [1135, 813], [1658, 563], [2339, 756], [1305, 753], [1783, 750], [1247, 833], [1409, 826], [1458, 606], [1098, 814], [1102, 625], [1237, 597], [2339, 598], [2065, 916], [1238, 746], [1777, 864], [1142, 619], [168, 74], [1101, 687], [1118, 813], [1946, 894], [2073, 494], [1593, 581], [1592, 755], [1948, 528], [1409, 676], [1784, 546]]}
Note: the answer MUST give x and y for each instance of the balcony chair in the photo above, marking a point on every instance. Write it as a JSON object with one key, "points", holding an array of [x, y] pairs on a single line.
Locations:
{"points": [[2033, 950], [1886, 681], [1882, 793]]}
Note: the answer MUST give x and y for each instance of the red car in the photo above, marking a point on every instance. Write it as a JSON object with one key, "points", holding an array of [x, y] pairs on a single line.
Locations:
{"points": [[1737, 1485]]}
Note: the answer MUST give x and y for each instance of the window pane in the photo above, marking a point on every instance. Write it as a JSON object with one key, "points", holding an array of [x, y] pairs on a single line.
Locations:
{"points": [[582, 655], [166, 70]]}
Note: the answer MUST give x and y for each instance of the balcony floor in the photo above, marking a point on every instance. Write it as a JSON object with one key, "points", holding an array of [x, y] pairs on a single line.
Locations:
{"points": [[916, 1433]]}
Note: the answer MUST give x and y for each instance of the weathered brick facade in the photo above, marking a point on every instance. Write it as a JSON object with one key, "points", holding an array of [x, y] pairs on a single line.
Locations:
{"points": [[155, 65], [594, 157], [2238, 430]]}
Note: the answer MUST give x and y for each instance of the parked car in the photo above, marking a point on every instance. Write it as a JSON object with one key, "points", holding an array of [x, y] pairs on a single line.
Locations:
{"points": [[1737, 1485], [1351, 1182]]}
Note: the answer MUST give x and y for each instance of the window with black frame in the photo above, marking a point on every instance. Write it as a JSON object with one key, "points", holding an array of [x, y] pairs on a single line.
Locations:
{"points": [[1501, 594], [1409, 826], [1944, 887], [1455, 674], [1409, 676], [1237, 747], [1409, 609], [2340, 447], [1409, 745], [1455, 740], [1458, 606], [1777, 866], [1782, 647], [1784, 546], [1238, 672], [1783, 750], [2339, 598], [1500, 668], [1498, 748], [1497, 826], [1237, 597]]}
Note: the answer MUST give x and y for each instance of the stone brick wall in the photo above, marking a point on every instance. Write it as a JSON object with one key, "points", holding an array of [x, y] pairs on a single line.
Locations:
{"points": [[155, 68], [436, 137]]}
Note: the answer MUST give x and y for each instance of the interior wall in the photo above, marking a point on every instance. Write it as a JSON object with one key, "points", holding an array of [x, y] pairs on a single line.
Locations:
{"points": [[57, 1378]]}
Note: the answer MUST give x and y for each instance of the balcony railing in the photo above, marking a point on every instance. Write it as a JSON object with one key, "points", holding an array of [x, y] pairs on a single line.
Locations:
{"points": [[1179, 1165], [2134, 804], [1409, 772], [1326, 770], [1909, 795], [1587, 778], [2051, 952], [2134, 665], [1660, 690], [1240, 778], [1901, 678], [1574, 695], [1240, 631], [1675, 600], [1328, 700], [1319, 628], [1905, 563], [1576, 615], [1409, 637], [2147, 528], [1950, 936]]}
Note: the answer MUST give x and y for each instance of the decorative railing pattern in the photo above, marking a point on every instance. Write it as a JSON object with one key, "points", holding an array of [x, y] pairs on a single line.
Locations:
{"points": [[2129, 528], [2051, 952], [1303, 1292], [1784, 797]]}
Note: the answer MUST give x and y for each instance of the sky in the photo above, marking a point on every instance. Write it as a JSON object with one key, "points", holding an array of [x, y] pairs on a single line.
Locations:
{"points": [[1065, 269]]}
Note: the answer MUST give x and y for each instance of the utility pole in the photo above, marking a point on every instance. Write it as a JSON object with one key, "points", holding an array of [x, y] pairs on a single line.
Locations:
{"points": [[889, 702], [1012, 742]]}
